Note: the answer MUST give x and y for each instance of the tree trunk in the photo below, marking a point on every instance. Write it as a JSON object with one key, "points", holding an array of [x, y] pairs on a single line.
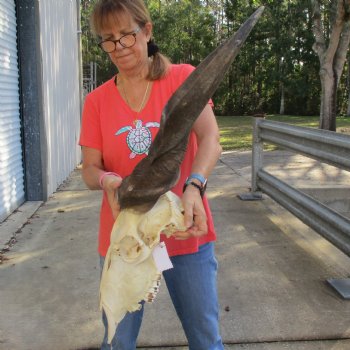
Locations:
{"points": [[281, 73], [332, 58], [348, 84], [328, 99], [282, 110]]}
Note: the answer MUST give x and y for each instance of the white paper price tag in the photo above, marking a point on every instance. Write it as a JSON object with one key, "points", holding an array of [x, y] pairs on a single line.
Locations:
{"points": [[161, 257]]}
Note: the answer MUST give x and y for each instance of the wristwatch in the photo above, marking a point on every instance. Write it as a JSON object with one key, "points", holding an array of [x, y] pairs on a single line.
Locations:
{"points": [[202, 187]]}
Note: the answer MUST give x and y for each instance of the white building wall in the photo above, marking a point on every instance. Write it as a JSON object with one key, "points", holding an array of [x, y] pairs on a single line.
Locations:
{"points": [[61, 95], [11, 167]]}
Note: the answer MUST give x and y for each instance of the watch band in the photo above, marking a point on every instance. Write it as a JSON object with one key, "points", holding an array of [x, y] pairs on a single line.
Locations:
{"points": [[201, 188], [198, 177]]}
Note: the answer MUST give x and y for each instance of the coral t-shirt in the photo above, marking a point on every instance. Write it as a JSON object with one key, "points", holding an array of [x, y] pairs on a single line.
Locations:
{"points": [[110, 126]]}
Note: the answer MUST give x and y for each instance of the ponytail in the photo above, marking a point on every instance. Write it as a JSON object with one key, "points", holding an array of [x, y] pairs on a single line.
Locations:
{"points": [[159, 63]]}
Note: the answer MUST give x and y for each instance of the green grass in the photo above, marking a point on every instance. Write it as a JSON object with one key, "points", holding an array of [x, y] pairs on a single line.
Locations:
{"points": [[236, 131]]}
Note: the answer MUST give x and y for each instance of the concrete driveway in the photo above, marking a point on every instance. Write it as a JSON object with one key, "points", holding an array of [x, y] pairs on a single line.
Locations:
{"points": [[271, 281]]}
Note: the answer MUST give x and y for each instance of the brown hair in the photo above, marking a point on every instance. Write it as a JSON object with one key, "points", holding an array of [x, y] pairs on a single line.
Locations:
{"points": [[106, 11]]}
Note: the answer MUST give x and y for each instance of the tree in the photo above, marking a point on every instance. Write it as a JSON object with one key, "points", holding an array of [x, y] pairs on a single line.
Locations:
{"points": [[90, 51], [277, 70], [189, 38], [332, 38]]}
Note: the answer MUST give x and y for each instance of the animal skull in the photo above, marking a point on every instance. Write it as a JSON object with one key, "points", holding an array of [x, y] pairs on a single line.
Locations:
{"points": [[130, 274]]}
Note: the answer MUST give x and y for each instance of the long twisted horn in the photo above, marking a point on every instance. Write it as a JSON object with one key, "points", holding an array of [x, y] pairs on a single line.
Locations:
{"points": [[159, 171]]}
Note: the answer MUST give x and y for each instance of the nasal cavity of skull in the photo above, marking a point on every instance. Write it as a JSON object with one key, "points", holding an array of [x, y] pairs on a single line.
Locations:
{"points": [[148, 238]]}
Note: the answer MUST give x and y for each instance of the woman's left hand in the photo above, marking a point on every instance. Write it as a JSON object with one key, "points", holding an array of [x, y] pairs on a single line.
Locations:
{"points": [[208, 152], [195, 216]]}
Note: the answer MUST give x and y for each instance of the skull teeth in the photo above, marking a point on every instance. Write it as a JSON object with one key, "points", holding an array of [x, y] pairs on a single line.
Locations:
{"points": [[153, 291]]}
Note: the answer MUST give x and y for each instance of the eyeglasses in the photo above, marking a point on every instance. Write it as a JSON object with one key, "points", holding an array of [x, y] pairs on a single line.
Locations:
{"points": [[127, 40]]}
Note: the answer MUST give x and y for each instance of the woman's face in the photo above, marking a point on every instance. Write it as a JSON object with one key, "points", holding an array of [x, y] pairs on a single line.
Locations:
{"points": [[132, 58]]}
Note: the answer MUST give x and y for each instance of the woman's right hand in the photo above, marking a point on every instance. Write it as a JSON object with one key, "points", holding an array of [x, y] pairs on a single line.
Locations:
{"points": [[110, 184]]}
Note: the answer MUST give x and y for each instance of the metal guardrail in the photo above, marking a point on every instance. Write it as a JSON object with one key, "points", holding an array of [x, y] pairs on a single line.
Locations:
{"points": [[325, 146]]}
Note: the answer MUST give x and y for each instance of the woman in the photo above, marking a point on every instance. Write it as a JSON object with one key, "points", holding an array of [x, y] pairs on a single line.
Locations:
{"points": [[127, 105]]}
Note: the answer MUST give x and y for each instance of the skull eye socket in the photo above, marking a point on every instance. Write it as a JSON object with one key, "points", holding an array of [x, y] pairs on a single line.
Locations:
{"points": [[130, 248]]}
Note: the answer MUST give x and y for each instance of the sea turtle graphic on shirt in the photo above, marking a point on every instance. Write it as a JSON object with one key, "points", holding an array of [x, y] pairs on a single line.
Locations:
{"points": [[139, 138]]}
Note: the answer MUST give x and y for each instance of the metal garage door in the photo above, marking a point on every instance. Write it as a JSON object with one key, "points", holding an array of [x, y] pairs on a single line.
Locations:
{"points": [[11, 167]]}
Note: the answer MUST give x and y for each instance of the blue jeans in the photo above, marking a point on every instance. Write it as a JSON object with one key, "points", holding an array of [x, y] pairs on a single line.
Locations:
{"points": [[192, 288]]}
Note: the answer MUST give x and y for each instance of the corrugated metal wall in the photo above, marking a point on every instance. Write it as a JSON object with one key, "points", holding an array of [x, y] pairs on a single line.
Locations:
{"points": [[60, 64], [11, 167]]}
